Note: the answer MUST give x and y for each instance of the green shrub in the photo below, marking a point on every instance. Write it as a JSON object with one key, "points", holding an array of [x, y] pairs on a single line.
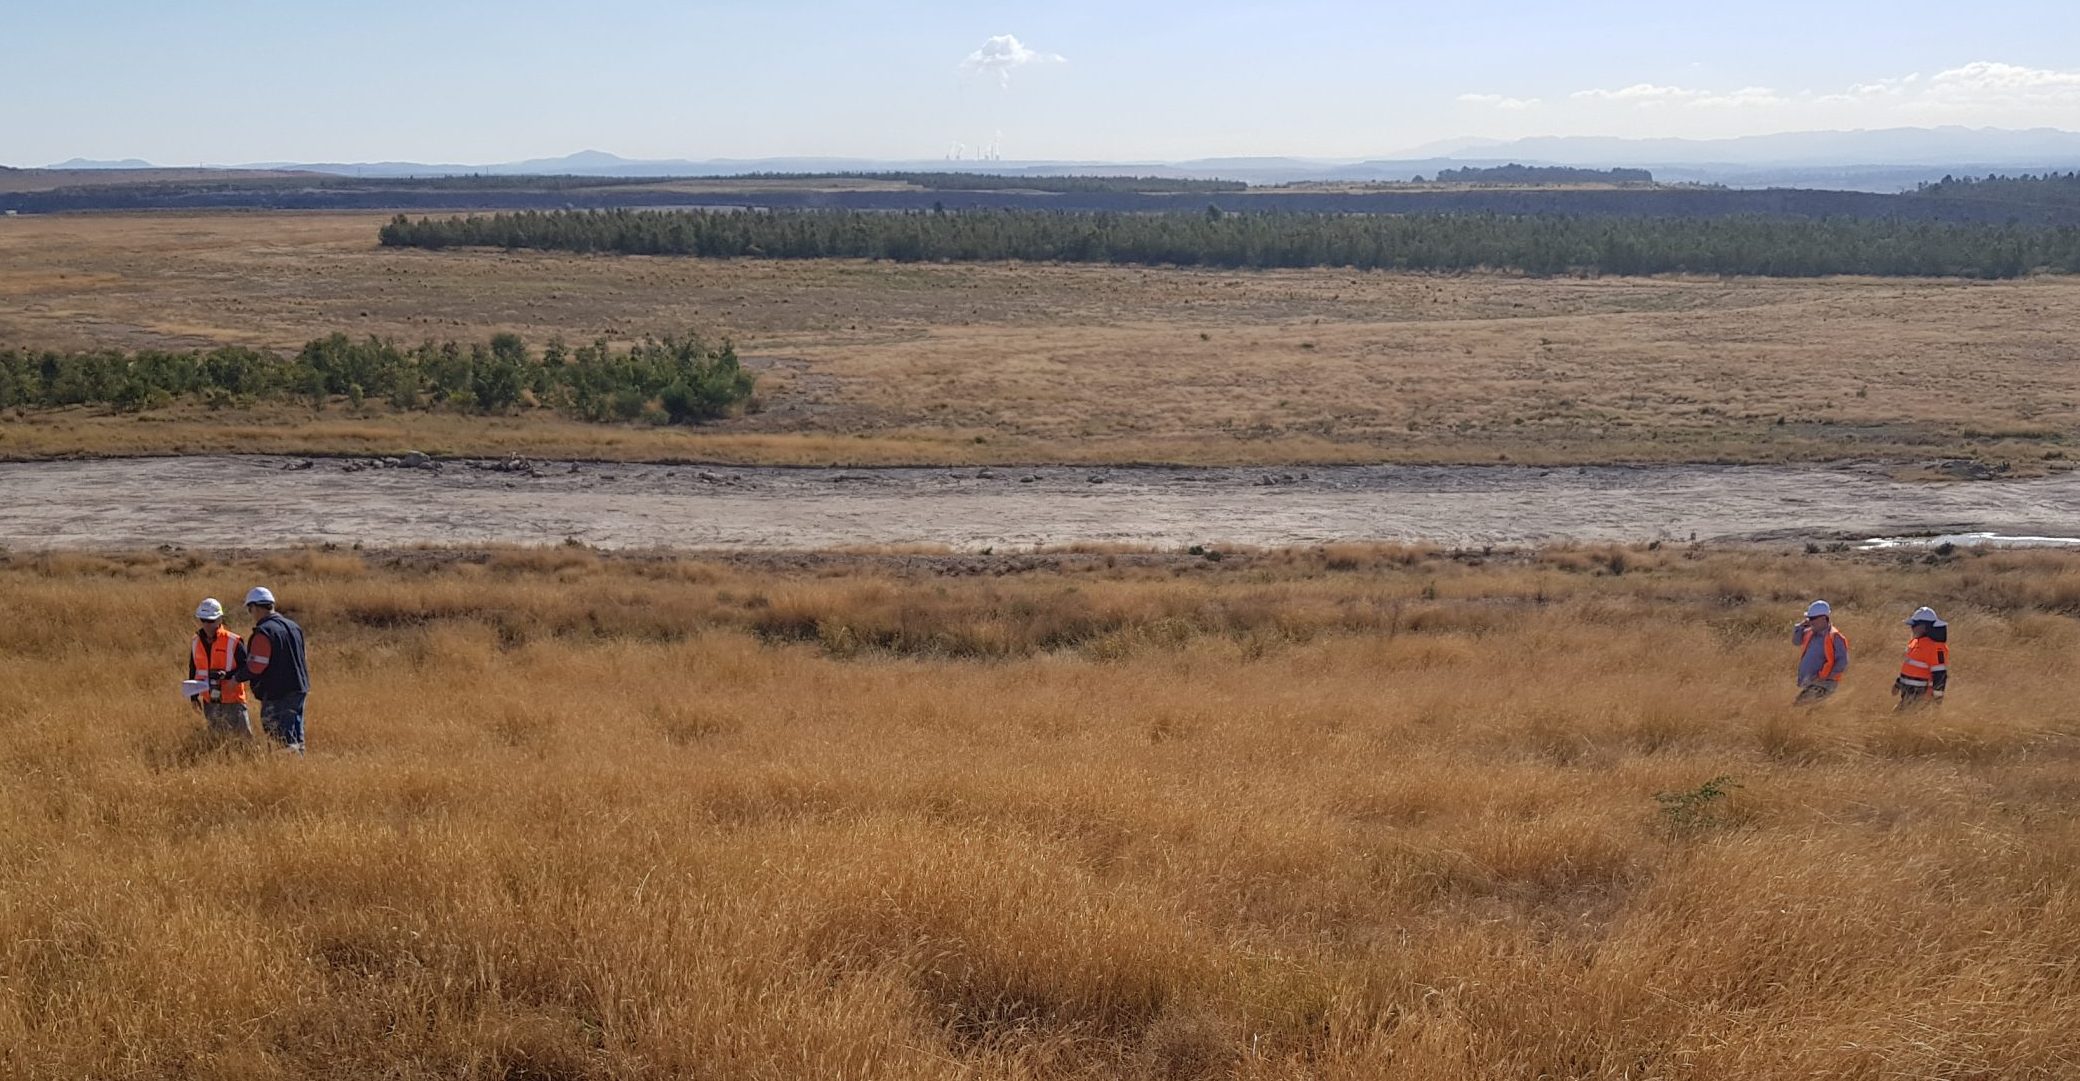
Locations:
{"points": [[691, 380]]}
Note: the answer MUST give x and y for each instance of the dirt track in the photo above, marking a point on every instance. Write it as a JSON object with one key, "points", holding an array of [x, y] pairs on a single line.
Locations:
{"points": [[261, 502]]}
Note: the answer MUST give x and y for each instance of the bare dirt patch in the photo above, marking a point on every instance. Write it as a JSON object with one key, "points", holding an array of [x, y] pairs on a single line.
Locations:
{"points": [[270, 502]]}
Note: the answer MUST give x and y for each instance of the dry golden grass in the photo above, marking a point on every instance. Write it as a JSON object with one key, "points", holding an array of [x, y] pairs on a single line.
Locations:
{"points": [[291, 429], [1343, 813], [1086, 363]]}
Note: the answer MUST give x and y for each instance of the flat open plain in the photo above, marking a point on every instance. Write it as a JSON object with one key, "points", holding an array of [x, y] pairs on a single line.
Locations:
{"points": [[891, 364]]}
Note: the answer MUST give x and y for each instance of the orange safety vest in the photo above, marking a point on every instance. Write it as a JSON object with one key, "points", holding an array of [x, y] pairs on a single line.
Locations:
{"points": [[1925, 657], [1827, 651], [217, 657]]}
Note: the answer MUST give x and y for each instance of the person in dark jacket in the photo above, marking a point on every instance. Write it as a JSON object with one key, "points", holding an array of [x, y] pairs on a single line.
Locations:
{"points": [[275, 670]]}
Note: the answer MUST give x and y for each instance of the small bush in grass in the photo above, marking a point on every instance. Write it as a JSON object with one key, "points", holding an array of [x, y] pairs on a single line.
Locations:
{"points": [[1696, 810]]}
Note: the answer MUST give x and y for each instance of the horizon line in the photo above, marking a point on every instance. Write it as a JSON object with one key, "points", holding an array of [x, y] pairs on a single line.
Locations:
{"points": [[1476, 144]]}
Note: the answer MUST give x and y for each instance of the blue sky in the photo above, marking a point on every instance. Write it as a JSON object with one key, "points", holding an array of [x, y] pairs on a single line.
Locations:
{"points": [[217, 81]]}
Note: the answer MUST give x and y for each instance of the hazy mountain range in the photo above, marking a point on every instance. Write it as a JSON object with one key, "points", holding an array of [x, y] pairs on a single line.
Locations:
{"points": [[85, 163], [1884, 146], [1876, 160]]}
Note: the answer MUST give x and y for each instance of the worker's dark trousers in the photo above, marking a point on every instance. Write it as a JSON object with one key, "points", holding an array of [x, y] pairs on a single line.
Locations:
{"points": [[1914, 698], [228, 718], [1816, 691], [283, 720]]}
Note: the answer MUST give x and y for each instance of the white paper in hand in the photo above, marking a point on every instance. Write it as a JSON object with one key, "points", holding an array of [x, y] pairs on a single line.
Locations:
{"points": [[193, 687]]}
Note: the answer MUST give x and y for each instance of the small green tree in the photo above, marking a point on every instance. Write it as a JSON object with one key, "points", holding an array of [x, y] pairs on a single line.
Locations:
{"points": [[495, 376], [404, 391], [628, 403], [709, 385]]}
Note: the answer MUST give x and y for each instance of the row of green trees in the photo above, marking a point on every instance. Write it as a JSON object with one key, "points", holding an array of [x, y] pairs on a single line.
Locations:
{"points": [[1537, 244], [963, 181], [930, 181], [1541, 174], [675, 379], [2047, 189]]}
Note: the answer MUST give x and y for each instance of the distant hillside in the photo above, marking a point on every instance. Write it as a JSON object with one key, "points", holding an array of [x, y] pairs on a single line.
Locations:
{"points": [[291, 192], [84, 163], [1885, 160], [2035, 147], [123, 184]]}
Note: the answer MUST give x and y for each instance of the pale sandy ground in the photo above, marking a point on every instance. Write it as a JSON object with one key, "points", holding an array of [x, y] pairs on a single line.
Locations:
{"points": [[257, 502]]}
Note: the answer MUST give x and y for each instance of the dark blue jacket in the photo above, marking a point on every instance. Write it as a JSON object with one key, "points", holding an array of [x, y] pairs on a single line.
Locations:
{"points": [[274, 659]]}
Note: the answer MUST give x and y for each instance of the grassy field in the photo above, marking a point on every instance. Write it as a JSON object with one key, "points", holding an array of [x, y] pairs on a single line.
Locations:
{"points": [[1000, 363], [1346, 813], [24, 180]]}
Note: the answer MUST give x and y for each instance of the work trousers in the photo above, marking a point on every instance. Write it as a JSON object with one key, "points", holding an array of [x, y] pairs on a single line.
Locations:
{"points": [[1817, 691], [283, 720], [228, 719]]}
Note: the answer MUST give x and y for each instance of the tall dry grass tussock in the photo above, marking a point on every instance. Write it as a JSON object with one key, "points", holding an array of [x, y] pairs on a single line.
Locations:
{"points": [[1332, 813]]}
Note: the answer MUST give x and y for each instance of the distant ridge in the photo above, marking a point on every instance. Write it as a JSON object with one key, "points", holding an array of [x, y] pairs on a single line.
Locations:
{"points": [[1880, 160], [86, 163], [1881, 146]]}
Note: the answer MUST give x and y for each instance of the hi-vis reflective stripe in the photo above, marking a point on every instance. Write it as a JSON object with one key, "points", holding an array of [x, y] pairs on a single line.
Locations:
{"points": [[1918, 664], [217, 655], [1912, 682]]}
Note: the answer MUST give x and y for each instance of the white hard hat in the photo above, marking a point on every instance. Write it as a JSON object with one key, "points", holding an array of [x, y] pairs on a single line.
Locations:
{"points": [[260, 595], [210, 608], [1817, 608], [1923, 615]]}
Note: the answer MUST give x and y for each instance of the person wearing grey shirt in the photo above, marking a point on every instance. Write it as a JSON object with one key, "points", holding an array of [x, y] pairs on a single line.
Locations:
{"points": [[1823, 653]]}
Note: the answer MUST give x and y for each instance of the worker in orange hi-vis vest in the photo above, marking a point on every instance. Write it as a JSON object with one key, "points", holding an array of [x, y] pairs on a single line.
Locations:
{"points": [[214, 657], [1823, 654], [1924, 676]]}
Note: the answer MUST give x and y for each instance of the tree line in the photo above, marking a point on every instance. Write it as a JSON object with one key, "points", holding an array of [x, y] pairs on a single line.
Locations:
{"points": [[668, 380], [960, 181], [1534, 244], [930, 181], [2047, 189], [1541, 174]]}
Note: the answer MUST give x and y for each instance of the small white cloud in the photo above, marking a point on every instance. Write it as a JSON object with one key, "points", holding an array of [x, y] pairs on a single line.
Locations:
{"points": [[1747, 97], [1988, 83], [1499, 101], [1641, 94], [1883, 90], [1003, 54], [1984, 92], [1984, 88]]}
